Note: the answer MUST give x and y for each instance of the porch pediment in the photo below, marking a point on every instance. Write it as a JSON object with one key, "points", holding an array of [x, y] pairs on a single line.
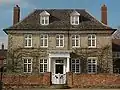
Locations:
{"points": [[59, 53]]}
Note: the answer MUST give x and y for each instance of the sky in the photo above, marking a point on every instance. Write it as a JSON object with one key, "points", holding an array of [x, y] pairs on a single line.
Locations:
{"points": [[27, 6]]}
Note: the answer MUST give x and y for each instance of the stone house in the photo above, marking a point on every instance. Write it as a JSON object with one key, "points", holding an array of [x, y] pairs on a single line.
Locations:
{"points": [[60, 41]]}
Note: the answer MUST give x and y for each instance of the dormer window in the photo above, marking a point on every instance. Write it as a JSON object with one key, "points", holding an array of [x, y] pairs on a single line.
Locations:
{"points": [[74, 18], [44, 18]]}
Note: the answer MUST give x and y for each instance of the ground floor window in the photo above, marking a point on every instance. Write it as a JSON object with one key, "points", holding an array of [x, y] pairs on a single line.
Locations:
{"points": [[92, 65], [27, 65], [75, 65], [43, 65]]}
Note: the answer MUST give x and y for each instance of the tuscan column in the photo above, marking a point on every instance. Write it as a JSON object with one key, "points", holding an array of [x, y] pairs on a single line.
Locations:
{"points": [[68, 65], [49, 68]]}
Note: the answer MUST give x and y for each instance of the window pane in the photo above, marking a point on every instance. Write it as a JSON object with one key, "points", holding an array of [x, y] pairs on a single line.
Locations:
{"points": [[25, 60], [61, 42], [45, 36], [77, 36], [77, 68], [41, 60], [29, 60], [45, 42], [29, 43], [73, 42], [57, 42], [29, 67], [42, 22], [89, 42], [41, 67], [46, 21], [57, 36], [61, 36], [93, 42], [77, 42], [45, 60], [25, 67], [25, 36], [93, 36], [73, 36], [45, 67], [41, 42], [41, 36], [73, 67], [77, 61], [25, 42], [76, 22], [89, 37], [73, 61]]}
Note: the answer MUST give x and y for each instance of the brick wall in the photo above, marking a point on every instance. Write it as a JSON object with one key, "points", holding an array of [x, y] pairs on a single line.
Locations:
{"points": [[27, 80], [93, 80]]}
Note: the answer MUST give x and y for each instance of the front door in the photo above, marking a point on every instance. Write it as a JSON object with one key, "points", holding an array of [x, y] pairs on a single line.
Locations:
{"points": [[59, 76]]}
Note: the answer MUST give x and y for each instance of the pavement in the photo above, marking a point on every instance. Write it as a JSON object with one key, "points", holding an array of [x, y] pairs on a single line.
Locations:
{"points": [[66, 89]]}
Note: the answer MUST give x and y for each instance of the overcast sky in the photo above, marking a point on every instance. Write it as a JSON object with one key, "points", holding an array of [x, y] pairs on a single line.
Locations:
{"points": [[27, 6]]}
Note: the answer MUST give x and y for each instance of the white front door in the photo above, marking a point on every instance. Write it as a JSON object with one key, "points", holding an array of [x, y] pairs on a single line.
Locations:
{"points": [[59, 73]]}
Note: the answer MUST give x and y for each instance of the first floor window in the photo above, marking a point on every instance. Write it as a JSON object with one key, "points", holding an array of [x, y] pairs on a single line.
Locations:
{"points": [[59, 40], [43, 65], [92, 40], [75, 40], [92, 65], [27, 65], [75, 65], [44, 40], [28, 40]]}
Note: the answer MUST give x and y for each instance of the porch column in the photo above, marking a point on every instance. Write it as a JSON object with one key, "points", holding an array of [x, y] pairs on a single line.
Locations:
{"points": [[68, 65], [49, 66]]}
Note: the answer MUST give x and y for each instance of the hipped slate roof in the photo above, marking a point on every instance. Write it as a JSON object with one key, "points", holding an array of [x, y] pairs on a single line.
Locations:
{"points": [[59, 19]]}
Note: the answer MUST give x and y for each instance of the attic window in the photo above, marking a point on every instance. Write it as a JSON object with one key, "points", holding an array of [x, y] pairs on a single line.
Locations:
{"points": [[74, 18], [44, 18]]}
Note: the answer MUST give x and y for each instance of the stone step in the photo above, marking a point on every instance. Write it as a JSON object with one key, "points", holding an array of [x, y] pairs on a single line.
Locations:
{"points": [[59, 86]]}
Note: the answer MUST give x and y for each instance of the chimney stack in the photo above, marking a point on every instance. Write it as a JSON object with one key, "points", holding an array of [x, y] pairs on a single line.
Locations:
{"points": [[2, 46], [104, 14], [16, 14]]}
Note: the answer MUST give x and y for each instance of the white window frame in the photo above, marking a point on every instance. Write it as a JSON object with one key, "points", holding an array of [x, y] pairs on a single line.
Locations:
{"points": [[75, 40], [44, 18], [59, 40], [26, 39], [73, 20], [43, 40], [27, 64], [91, 40], [43, 65], [75, 65], [92, 63]]}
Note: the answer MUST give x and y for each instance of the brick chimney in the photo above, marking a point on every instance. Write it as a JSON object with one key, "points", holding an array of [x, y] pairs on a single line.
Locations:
{"points": [[104, 14], [16, 14]]}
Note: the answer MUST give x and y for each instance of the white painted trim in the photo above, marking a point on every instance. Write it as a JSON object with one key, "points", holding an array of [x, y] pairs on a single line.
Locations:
{"points": [[59, 55], [49, 61], [68, 65]]}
